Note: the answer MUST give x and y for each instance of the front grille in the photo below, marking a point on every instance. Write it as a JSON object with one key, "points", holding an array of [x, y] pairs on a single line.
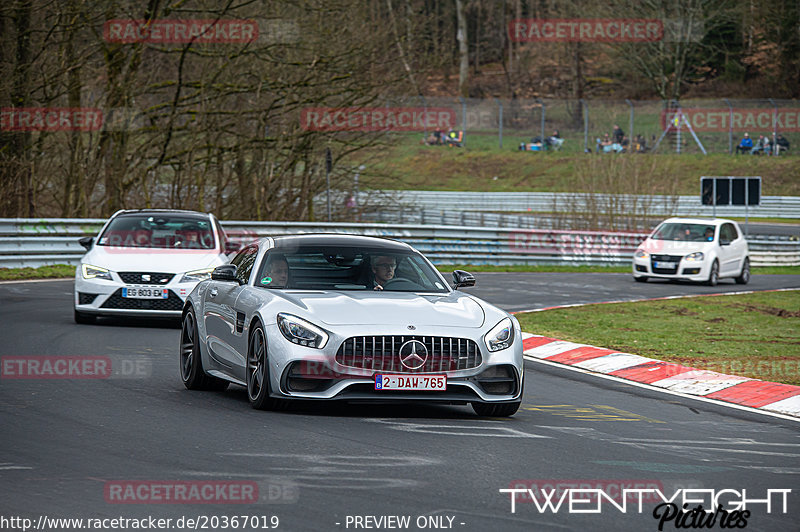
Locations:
{"points": [[667, 258], [116, 300], [155, 277], [382, 353], [85, 298], [674, 259]]}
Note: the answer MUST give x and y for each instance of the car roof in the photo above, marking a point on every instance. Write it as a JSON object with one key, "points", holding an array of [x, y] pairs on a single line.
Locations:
{"points": [[163, 211], [707, 221], [338, 239]]}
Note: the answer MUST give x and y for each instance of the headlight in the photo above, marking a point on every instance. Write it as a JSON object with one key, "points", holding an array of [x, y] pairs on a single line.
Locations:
{"points": [[301, 332], [694, 257], [95, 272], [641, 254], [197, 275], [501, 336]]}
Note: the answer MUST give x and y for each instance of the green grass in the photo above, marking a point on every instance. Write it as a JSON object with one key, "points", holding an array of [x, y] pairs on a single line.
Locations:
{"points": [[43, 272], [753, 335], [406, 164]]}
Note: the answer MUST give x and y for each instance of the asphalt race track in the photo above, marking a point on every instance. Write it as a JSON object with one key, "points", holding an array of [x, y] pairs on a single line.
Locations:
{"points": [[326, 467]]}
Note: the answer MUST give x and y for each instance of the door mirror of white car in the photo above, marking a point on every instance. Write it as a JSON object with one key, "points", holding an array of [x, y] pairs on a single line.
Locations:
{"points": [[86, 242], [226, 272], [462, 279], [723, 242]]}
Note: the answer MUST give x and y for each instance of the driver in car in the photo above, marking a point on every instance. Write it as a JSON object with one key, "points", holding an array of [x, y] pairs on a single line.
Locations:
{"points": [[383, 268]]}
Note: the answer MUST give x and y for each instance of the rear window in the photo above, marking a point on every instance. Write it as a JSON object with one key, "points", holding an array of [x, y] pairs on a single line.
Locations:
{"points": [[162, 231]]}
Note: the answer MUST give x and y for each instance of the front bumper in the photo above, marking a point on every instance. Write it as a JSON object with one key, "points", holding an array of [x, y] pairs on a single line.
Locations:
{"points": [[303, 373], [101, 297], [696, 271]]}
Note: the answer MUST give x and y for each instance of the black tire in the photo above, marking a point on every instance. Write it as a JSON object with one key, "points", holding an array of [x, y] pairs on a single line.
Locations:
{"points": [[259, 388], [641, 279], [744, 275], [83, 318], [496, 410], [713, 275], [191, 365]]}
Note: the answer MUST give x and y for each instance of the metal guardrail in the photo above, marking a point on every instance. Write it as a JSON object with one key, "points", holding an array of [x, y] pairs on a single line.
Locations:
{"points": [[655, 205], [26, 242]]}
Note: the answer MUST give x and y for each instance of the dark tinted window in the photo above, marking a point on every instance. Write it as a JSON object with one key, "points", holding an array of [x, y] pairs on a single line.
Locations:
{"points": [[244, 261], [728, 232]]}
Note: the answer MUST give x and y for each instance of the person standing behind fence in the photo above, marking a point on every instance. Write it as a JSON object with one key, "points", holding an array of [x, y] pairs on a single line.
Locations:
{"points": [[617, 134]]}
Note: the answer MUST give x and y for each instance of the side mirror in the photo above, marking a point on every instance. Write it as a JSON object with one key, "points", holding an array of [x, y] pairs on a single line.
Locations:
{"points": [[724, 242], [226, 272], [231, 247], [462, 279], [86, 242]]}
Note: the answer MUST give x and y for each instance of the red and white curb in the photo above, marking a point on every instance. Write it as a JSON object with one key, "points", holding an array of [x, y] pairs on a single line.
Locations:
{"points": [[743, 391]]}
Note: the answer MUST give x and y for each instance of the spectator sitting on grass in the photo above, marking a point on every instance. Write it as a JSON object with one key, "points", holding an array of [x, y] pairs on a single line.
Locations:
{"points": [[617, 134], [745, 145], [555, 140], [758, 149], [781, 144]]}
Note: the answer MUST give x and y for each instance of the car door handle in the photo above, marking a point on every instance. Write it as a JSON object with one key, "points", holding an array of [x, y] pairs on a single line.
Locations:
{"points": [[213, 292]]}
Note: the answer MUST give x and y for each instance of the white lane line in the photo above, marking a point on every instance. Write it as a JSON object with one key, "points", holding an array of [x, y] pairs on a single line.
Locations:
{"points": [[662, 390]]}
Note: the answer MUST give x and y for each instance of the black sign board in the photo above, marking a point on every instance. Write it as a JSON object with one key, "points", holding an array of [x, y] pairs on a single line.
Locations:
{"points": [[730, 190]]}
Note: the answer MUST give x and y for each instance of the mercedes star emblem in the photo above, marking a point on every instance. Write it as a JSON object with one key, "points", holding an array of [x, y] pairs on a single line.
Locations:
{"points": [[413, 354]]}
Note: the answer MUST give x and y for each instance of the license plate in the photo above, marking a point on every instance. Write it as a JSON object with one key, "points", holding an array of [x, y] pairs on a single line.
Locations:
{"points": [[145, 293], [665, 265], [436, 383]]}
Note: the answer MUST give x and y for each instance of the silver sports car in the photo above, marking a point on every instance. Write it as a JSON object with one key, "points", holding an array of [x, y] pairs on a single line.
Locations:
{"points": [[348, 318]]}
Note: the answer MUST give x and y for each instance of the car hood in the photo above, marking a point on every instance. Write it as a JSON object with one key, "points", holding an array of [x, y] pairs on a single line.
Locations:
{"points": [[674, 247], [390, 308], [152, 260]]}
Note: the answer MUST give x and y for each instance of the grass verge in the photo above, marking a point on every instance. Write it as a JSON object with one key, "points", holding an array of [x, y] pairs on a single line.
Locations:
{"points": [[753, 335], [43, 272]]}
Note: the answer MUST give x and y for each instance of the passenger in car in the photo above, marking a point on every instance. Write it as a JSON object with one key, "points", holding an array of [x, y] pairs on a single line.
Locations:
{"points": [[709, 235], [276, 272], [383, 268]]}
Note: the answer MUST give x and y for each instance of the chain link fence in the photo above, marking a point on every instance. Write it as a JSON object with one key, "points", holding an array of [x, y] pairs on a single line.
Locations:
{"points": [[688, 126]]}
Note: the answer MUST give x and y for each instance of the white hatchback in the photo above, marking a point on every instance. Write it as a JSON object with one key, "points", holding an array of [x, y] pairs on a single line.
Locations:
{"points": [[693, 249], [146, 262]]}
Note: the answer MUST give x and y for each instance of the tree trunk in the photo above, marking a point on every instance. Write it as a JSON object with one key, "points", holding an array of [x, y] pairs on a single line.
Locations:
{"points": [[463, 50]]}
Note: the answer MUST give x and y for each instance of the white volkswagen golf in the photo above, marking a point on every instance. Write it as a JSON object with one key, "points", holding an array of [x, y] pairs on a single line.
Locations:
{"points": [[146, 262], [693, 249]]}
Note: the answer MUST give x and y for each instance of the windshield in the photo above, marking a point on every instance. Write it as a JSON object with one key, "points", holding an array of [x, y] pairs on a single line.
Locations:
{"points": [[343, 268], [165, 231], [685, 231]]}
